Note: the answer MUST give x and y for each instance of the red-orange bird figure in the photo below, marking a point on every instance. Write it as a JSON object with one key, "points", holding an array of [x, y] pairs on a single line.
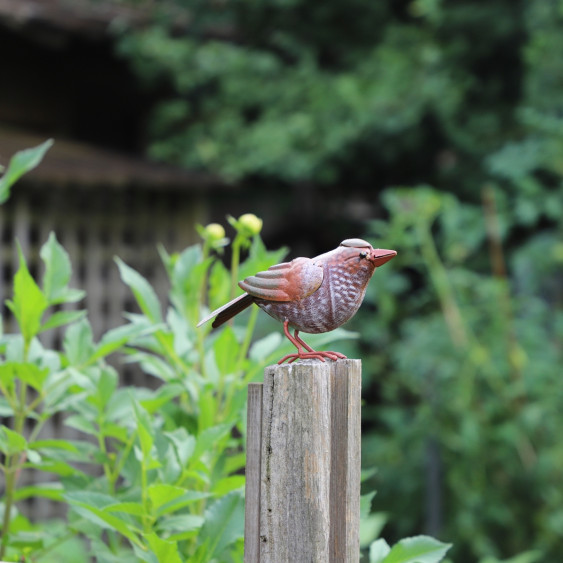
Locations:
{"points": [[310, 295]]}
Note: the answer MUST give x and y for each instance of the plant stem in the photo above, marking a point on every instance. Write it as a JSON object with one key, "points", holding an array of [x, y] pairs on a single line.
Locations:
{"points": [[442, 285], [122, 459], [235, 261], [103, 449], [10, 486], [13, 460], [202, 287], [498, 266], [145, 497], [247, 336]]}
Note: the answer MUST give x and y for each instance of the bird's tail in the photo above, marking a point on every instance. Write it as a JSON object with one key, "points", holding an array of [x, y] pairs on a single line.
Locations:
{"points": [[229, 310]]}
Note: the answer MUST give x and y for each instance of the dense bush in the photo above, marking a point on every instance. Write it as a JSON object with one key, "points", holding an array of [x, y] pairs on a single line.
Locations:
{"points": [[466, 396]]}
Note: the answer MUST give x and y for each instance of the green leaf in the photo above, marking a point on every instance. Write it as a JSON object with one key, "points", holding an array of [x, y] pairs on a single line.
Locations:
{"points": [[418, 549], [181, 501], [208, 437], [52, 491], [224, 524], [78, 342], [107, 384], [143, 431], [228, 484], [90, 498], [61, 318], [166, 394], [181, 523], [57, 273], [235, 462], [226, 350], [20, 163], [135, 508], [29, 302], [5, 409], [106, 520], [81, 423], [142, 290], [11, 442], [367, 473], [7, 375], [378, 551], [161, 494], [365, 504], [187, 272], [31, 374], [54, 444], [183, 444], [116, 338], [371, 526], [55, 466], [165, 551], [262, 348], [207, 406], [175, 451]]}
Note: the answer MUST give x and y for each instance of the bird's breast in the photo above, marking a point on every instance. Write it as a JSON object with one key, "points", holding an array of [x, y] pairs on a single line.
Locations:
{"points": [[335, 302]]}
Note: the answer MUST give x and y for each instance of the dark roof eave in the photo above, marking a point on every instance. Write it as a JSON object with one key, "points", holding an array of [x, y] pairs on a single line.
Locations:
{"points": [[69, 163]]}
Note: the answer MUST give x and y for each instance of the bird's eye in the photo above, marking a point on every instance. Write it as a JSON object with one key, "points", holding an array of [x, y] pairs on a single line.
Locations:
{"points": [[363, 254]]}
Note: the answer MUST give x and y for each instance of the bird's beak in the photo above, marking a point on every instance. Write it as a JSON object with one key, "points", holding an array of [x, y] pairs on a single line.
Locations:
{"points": [[380, 256]]}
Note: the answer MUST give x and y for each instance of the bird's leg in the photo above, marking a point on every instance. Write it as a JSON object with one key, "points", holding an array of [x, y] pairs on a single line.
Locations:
{"points": [[310, 354], [302, 342], [331, 355]]}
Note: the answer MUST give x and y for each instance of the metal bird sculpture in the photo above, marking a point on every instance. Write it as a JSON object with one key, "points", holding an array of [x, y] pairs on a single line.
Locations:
{"points": [[311, 295]]}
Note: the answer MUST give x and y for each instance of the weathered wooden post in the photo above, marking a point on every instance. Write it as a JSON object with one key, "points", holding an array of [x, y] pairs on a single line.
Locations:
{"points": [[303, 464]]}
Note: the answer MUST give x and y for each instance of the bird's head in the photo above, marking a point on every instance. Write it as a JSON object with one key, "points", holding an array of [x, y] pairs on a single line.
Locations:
{"points": [[358, 249]]}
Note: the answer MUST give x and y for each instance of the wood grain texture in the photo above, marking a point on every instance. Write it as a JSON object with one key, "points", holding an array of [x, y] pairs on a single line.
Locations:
{"points": [[310, 463], [252, 472], [346, 390], [294, 515]]}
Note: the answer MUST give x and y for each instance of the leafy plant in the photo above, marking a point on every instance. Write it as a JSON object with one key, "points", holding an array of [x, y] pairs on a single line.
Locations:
{"points": [[419, 549], [469, 384], [22, 162], [156, 474]]}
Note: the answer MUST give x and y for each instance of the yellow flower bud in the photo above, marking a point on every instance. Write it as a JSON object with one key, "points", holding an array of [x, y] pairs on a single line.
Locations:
{"points": [[214, 232], [250, 223]]}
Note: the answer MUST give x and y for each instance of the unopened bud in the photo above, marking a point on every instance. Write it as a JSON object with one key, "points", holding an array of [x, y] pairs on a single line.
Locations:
{"points": [[250, 223], [214, 232]]}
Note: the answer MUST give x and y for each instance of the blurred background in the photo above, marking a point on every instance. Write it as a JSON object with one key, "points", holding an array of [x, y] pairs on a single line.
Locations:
{"points": [[433, 127]]}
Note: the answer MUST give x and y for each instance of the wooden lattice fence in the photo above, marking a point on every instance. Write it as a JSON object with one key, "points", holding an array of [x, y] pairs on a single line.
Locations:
{"points": [[94, 226]]}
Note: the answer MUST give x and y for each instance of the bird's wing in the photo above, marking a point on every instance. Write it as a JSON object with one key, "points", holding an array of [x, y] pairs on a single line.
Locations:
{"points": [[289, 281]]}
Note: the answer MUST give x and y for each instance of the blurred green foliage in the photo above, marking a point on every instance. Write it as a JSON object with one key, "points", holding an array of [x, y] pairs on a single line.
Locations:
{"points": [[463, 358], [301, 90], [465, 380]]}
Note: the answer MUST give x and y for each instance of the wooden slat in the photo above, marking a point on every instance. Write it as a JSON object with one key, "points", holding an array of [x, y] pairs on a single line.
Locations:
{"points": [[345, 473], [253, 465]]}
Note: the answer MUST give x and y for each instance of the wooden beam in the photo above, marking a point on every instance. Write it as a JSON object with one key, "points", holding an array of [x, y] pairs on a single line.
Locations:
{"points": [[310, 464]]}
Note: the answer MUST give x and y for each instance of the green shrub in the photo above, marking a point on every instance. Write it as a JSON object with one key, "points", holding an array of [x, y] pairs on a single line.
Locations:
{"points": [[468, 381]]}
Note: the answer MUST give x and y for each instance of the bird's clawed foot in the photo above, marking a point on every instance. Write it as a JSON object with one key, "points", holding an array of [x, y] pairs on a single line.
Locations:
{"points": [[301, 346], [290, 358]]}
